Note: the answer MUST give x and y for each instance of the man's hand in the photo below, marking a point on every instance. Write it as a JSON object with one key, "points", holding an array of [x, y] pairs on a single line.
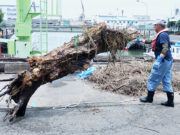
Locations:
{"points": [[157, 62], [162, 55], [143, 41]]}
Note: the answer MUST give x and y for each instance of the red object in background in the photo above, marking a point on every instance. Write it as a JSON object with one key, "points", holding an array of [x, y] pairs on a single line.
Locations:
{"points": [[0, 50], [126, 49]]}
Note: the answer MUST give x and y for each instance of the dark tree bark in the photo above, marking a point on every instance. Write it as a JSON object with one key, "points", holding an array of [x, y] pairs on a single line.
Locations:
{"points": [[60, 62]]}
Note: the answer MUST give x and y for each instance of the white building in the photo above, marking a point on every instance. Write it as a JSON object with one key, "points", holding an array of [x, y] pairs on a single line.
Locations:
{"points": [[117, 22], [9, 12], [142, 18], [177, 14]]}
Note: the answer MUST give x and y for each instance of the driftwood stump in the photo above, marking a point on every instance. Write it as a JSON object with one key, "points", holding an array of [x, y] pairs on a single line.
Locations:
{"points": [[60, 62]]}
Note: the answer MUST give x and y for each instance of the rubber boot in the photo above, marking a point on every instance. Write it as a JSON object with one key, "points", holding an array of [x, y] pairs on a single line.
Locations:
{"points": [[148, 98], [170, 101]]}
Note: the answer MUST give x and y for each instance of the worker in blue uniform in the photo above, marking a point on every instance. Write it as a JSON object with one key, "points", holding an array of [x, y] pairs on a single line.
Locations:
{"points": [[162, 67]]}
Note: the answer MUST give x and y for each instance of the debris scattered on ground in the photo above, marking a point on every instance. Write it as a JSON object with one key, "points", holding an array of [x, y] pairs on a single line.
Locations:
{"points": [[128, 78], [72, 56]]}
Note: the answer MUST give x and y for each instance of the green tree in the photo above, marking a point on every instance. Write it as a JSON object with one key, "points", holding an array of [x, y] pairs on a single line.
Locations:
{"points": [[168, 24], [1, 16], [171, 24]]}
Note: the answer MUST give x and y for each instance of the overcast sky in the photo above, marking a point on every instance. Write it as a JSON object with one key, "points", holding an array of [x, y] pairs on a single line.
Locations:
{"points": [[157, 9]]}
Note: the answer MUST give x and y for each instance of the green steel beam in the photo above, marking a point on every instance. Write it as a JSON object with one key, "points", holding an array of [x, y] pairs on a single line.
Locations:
{"points": [[55, 11], [41, 27], [46, 26], [52, 7], [23, 27], [57, 6]]}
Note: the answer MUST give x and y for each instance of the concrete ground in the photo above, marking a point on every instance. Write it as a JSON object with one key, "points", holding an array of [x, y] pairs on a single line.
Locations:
{"points": [[73, 106]]}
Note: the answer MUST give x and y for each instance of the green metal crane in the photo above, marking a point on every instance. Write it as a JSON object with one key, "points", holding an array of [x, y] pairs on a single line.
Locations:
{"points": [[22, 47], [23, 28]]}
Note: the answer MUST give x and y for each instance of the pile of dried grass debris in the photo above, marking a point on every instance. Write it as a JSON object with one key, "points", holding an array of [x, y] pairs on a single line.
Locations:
{"points": [[129, 78]]}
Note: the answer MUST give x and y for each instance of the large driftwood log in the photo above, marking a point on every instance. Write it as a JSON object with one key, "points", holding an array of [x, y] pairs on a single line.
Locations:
{"points": [[60, 62]]}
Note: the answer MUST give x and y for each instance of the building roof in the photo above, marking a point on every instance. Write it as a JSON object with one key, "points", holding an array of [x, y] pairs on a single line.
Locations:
{"points": [[112, 17]]}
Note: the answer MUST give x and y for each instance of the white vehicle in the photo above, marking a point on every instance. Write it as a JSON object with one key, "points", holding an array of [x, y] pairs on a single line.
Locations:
{"points": [[175, 50]]}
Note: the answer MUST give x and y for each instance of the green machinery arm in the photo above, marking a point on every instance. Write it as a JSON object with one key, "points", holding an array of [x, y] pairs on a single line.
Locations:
{"points": [[23, 27], [23, 30]]}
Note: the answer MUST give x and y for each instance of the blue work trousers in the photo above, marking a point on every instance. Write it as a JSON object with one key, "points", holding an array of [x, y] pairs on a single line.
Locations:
{"points": [[161, 74]]}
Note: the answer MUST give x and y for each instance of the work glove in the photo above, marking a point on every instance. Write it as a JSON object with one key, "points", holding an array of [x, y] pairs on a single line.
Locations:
{"points": [[139, 40], [157, 62]]}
